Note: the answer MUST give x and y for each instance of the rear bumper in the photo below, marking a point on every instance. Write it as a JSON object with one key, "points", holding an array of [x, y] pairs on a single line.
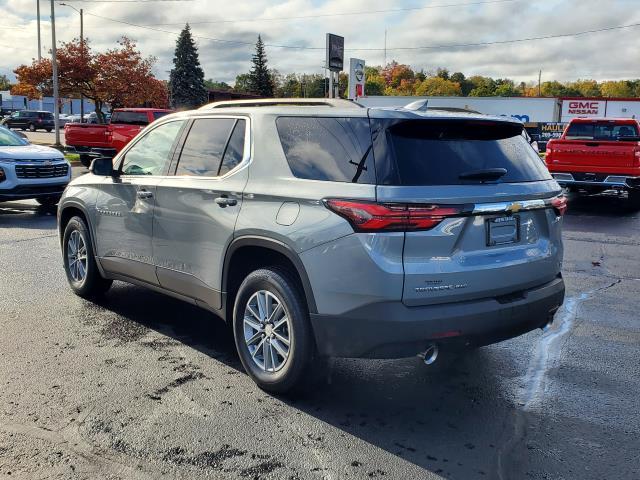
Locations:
{"points": [[393, 330], [613, 181]]}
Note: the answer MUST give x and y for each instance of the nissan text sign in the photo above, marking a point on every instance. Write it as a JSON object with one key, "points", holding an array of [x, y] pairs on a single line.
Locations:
{"points": [[582, 108]]}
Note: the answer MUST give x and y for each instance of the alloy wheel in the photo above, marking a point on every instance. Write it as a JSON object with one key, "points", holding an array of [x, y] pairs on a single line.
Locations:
{"points": [[77, 256], [267, 331]]}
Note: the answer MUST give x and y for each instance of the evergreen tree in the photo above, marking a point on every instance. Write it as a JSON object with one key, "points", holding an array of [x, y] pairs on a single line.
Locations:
{"points": [[186, 82], [260, 80]]}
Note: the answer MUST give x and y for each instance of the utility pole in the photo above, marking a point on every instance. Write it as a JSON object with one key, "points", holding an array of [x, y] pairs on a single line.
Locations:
{"points": [[385, 49], [54, 61], [540, 83], [39, 42], [82, 50], [81, 12]]}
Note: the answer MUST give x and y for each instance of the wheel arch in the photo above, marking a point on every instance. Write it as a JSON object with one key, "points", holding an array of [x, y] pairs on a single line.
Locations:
{"points": [[254, 245]]}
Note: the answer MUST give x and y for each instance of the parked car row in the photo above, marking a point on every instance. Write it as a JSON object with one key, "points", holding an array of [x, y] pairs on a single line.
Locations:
{"points": [[321, 228]]}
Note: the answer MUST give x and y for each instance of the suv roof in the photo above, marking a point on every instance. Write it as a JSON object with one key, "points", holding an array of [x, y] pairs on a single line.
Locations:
{"points": [[338, 107]]}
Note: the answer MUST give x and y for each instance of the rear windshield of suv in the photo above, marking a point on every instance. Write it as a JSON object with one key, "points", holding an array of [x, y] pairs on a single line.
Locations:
{"points": [[439, 152], [335, 149], [130, 118], [600, 131]]}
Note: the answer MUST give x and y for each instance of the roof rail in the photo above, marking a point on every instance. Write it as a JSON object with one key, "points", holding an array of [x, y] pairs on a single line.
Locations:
{"points": [[283, 102]]}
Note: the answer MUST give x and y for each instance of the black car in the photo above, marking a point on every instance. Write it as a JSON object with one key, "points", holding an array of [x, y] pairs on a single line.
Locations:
{"points": [[30, 119]]}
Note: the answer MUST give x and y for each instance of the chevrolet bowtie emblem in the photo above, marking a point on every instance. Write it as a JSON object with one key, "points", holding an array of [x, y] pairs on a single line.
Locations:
{"points": [[514, 207]]}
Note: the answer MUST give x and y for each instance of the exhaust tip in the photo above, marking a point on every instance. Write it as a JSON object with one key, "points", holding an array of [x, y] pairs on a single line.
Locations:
{"points": [[430, 355]]}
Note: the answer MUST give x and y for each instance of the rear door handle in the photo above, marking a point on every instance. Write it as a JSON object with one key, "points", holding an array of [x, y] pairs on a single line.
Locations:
{"points": [[144, 194], [225, 201]]}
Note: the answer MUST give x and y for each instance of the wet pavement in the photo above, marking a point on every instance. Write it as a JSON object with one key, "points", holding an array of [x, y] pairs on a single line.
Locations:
{"points": [[143, 386]]}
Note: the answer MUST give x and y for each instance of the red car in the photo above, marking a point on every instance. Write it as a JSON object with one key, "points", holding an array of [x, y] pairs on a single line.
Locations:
{"points": [[109, 139], [598, 154]]}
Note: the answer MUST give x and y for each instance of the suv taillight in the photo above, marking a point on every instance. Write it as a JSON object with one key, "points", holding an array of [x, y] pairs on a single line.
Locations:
{"points": [[559, 204], [636, 156], [377, 217]]}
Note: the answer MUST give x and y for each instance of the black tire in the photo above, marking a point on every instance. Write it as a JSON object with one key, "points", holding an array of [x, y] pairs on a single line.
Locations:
{"points": [[634, 199], [295, 368], [48, 201], [92, 285], [32, 127], [85, 160], [24, 128], [48, 130]]}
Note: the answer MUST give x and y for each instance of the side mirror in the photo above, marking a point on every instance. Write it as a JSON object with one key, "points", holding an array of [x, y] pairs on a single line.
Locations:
{"points": [[103, 166]]}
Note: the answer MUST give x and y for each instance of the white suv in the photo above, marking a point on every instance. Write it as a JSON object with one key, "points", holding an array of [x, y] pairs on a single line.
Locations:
{"points": [[31, 171]]}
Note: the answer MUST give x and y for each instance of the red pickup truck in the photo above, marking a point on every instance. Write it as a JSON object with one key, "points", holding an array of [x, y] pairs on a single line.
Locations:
{"points": [[109, 139], [598, 154]]}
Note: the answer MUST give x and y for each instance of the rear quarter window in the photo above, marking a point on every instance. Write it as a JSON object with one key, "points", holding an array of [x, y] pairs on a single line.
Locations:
{"points": [[130, 118], [438, 152], [600, 131], [335, 149]]}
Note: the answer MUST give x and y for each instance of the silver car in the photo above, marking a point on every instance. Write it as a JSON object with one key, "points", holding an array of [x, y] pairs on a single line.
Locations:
{"points": [[320, 228]]}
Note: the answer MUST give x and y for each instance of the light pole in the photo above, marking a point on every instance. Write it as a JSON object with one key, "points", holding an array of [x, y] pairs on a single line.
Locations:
{"points": [[54, 60], [82, 53], [39, 42]]}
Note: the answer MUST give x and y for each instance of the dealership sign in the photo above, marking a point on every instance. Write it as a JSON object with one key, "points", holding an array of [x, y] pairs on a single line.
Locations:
{"points": [[583, 108], [335, 52], [356, 78]]}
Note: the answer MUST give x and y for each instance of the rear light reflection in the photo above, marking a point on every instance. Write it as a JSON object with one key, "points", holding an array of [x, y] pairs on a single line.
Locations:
{"points": [[376, 217]]}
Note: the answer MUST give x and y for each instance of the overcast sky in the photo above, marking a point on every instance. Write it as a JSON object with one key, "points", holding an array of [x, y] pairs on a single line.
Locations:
{"points": [[607, 55]]}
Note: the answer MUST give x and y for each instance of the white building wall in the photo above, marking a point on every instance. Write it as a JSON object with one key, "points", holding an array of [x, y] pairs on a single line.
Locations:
{"points": [[526, 109]]}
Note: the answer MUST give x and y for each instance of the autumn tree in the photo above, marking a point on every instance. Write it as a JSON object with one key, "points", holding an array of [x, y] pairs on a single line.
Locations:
{"points": [[186, 79], [586, 88], [118, 77], [620, 88], [5, 84], [438, 86], [260, 79], [374, 83]]}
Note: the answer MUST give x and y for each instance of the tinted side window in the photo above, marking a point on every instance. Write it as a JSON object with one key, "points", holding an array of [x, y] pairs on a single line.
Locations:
{"points": [[332, 149], [235, 149], [130, 118], [434, 152], [149, 156], [203, 149]]}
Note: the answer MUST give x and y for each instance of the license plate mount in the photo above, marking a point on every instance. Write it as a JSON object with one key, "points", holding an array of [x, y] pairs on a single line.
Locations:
{"points": [[503, 230]]}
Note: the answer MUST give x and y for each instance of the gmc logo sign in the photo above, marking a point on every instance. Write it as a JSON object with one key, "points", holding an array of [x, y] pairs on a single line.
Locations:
{"points": [[577, 107], [589, 105]]}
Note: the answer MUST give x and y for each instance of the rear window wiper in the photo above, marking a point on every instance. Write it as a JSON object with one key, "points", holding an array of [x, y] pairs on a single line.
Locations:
{"points": [[486, 174]]}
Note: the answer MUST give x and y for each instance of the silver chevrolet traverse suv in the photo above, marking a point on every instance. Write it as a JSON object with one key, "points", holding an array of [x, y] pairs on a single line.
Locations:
{"points": [[321, 228]]}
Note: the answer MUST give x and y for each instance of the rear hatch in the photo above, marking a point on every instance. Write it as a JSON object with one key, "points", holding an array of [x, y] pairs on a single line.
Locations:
{"points": [[598, 143], [493, 230]]}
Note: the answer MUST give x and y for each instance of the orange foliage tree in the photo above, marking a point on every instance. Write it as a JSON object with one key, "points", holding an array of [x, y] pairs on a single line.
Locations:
{"points": [[120, 77]]}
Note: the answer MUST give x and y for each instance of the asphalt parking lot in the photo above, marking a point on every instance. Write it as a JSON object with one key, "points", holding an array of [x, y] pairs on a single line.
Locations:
{"points": [[142, 386]]}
